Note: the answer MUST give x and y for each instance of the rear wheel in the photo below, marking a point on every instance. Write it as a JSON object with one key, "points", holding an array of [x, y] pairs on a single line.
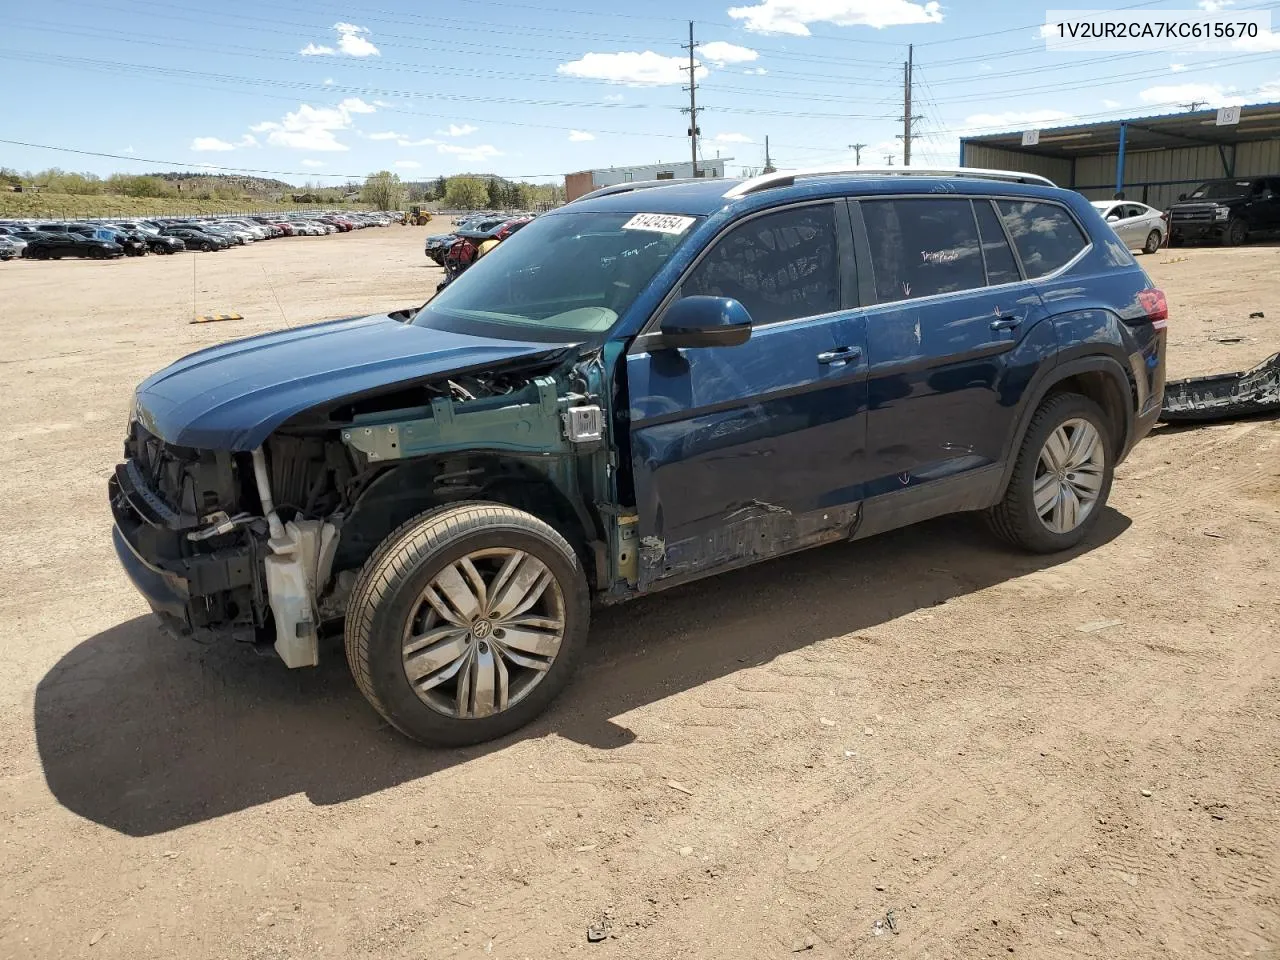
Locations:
{"points": [[1237, 233], [466, 622], [1153, 242], [1061, 479]]}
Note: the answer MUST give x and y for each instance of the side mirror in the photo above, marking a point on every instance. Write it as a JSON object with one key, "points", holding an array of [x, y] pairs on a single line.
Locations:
{"points": [[1111, 218], [1181, 197], [705, 322]]}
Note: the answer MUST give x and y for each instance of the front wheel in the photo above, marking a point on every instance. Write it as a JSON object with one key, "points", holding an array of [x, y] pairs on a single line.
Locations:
{"points": [[206, 246], [1153, 242], [1237, 233], [1061, 479], [466, 622]]}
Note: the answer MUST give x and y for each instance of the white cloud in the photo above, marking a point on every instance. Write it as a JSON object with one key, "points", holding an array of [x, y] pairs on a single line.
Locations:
{"points": [[381, 103], [424, 142], [458, 131], [794, 16], [720, 53], [313, 163], [755, 71], [470, 154], [386, 135], [1111, 104], [1213, 6], [211, 144], [408, 164], [732, 138], [248, 140], [613, 98], [979, 123], [1262, 43], [1173, 94], [328, 81], [635, 69], [129, 149], [984, 68], [1177, 67], [210, 166], [580, 136], [313, 128], [354, 41]]}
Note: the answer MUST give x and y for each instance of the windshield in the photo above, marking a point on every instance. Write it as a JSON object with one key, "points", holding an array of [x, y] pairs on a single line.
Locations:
{"points": [[1221, 190], [570, 273]]}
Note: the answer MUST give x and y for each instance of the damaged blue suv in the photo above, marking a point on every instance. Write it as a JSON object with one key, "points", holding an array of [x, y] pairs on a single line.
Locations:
{"points": [[652, 384]]}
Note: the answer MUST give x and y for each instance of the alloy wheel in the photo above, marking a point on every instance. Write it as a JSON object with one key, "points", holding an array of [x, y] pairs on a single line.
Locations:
{"points": [[483, 633], [1069, 476]]}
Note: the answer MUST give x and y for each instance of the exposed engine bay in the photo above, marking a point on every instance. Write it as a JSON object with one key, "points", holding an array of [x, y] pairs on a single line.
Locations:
{"points": [[265, 545]]}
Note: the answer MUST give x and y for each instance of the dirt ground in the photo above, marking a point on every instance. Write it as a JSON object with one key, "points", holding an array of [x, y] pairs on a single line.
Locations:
{"points": [[922, 745]]}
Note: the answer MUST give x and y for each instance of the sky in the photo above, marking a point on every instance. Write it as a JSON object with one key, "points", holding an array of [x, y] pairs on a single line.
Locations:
{"points": [[328, 91]]}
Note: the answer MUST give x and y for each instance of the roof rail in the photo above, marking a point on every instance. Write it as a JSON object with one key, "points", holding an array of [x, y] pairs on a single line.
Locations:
{"points": [[624, 188], [785, 178]]}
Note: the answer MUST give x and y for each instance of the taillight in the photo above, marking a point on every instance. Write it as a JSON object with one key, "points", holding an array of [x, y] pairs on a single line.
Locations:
{"points": [[1155, 306]]}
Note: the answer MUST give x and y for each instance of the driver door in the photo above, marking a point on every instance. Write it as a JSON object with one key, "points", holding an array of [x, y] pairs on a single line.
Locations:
{"points": [[744, 452]]}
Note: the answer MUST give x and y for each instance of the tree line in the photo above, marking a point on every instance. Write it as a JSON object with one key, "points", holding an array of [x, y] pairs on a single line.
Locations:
{"points": [[386, 191]]}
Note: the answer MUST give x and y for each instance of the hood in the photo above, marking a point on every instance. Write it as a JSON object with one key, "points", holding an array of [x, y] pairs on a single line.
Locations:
{"points": [[1189, 204], [230, 397]]}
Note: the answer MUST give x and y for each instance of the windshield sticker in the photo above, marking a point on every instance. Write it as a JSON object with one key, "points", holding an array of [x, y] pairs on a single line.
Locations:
{"points": [[659, 223]]}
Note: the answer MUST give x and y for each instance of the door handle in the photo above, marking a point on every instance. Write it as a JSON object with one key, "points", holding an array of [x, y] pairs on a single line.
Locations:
{"points": [[840, 355], [1006, 323]]}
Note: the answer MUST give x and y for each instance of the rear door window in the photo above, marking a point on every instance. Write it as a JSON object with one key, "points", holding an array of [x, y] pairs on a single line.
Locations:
{"points": [[1046, 236], [1001, 265], [923, 247]]}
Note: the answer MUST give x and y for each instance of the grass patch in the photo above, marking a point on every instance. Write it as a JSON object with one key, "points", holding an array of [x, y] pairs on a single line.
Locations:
{"points": [[56, 206]]}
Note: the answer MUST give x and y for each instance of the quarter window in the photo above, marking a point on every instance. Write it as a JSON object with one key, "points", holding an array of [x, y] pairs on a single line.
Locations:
{"points": [[781, 266], [1045, 235], [920, 248]]}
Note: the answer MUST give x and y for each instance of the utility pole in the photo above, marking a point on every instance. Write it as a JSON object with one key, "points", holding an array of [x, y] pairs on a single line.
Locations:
{"points": [[768, 163], [906, 108], [1194, 105], [693, 100], [857, 153], [888, 159]]}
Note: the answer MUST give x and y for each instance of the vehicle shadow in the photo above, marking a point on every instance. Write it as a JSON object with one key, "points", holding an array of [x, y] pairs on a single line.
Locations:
{"points": [[145, 734]]}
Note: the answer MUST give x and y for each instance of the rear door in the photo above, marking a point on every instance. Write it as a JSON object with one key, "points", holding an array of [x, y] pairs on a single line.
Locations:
{"points": [[743, 452], [952, 305]]}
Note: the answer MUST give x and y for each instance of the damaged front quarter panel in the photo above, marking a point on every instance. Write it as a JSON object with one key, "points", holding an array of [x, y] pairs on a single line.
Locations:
{"points": [[527, 421]]}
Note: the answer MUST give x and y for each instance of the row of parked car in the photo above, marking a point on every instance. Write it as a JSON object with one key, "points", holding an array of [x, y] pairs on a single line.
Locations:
{"points": [[108, 239], [475, 229]]}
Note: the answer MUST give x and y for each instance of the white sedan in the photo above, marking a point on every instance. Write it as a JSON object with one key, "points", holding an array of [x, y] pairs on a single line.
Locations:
{"points": [[1139, 226]]}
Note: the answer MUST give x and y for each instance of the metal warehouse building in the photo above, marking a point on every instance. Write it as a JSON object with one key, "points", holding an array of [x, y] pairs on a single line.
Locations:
{"points": [[580, 184], [1151, 159]]}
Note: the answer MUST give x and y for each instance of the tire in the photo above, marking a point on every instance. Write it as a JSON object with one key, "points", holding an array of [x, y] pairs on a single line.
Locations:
{"points": [[1153, 242], [1237, 233], [1016, 518], [206, 246], [387, 605]]}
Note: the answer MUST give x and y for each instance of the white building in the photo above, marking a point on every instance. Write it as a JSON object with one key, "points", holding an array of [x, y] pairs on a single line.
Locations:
{"points": [[580, 184]]}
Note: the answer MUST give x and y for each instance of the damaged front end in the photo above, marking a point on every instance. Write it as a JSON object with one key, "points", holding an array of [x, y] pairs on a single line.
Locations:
{"points": [[264, 545]]}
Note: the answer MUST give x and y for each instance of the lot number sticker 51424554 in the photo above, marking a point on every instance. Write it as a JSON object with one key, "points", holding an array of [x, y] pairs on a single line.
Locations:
{"points": [[659, 223]]}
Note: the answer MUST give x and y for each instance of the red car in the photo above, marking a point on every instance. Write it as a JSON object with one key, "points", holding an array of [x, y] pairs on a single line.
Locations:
{"points": [[283, 229]]}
